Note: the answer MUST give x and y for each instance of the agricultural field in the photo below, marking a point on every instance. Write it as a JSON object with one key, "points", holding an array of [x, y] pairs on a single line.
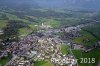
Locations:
{"points": [[5, 60], [94, 29], [65, 49], [86, 39], [92, 54], [43, 63], [3, 23], [52, 23]]}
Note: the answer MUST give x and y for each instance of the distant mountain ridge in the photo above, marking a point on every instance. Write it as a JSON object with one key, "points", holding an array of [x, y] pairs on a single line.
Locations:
{"points": [[64, 4], [19, 3], [71, 4]]}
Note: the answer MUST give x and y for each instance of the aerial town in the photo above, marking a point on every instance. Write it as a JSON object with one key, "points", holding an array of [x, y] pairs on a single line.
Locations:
{"points": [[44, 45], [40, 46], [49, 32]]}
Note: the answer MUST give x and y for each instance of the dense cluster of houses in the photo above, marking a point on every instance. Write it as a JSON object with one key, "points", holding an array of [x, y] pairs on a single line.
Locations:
{"points": [[20, 61], [1, 31], [40, 46], [36, 47]]}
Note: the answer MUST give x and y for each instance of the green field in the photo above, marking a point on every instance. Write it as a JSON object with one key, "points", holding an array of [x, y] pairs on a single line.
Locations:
{"points": [[94, 29], [5, 60], [52, 23], [92, 54], [24, 31], [87, 39], [43, 63], [3, 23], [65, 49]]}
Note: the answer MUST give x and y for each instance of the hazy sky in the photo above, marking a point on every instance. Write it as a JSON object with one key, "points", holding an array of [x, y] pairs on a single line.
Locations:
{"points": [[72, 4]]}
